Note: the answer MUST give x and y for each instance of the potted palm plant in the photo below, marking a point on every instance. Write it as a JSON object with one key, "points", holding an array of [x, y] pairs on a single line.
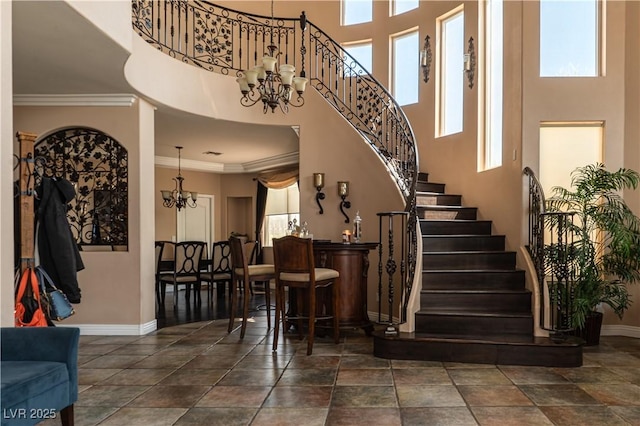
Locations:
{"points": [[605, 244]]}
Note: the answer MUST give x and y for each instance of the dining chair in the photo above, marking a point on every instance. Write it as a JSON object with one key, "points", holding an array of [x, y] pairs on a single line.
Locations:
{"points": [[186, 271], [295, 269], [159, 246], [220, 267], [242, 275]]}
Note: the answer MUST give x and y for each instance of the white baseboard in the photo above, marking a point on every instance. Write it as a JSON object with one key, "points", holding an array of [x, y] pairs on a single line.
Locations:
{"points": [[620, 330], [114, 329]]}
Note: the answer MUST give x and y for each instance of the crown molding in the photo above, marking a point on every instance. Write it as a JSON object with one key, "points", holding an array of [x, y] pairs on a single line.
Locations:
{"points": [[272, 162], [199, 166], [114, 100], [249, 167]]}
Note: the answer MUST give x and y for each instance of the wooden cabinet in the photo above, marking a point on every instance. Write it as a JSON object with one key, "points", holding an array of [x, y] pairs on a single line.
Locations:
{"points": [[352, 261]]}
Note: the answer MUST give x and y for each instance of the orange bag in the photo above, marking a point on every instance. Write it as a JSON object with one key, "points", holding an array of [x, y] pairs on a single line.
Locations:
{"points": [[38, 319]]}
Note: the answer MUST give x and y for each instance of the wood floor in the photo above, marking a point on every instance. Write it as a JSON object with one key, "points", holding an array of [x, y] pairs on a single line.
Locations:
{"points": [[216, 308]]}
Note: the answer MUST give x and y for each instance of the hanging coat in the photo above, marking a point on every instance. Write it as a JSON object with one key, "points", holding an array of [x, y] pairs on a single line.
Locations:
{"points": [[59, 254]]}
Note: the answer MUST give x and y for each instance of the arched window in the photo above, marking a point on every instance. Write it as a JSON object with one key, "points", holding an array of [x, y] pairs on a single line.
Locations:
{"points": [[97, 165]]}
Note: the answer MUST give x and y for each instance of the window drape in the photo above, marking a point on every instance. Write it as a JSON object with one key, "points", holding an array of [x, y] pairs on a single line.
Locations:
{"points": [[275, 179]]}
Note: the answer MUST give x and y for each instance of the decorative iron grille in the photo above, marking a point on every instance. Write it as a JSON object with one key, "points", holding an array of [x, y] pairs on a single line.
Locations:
{"points": [[97, 165]]}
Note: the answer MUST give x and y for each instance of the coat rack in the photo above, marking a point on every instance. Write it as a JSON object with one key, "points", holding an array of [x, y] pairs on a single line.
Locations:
{"points": [[27, 214]]}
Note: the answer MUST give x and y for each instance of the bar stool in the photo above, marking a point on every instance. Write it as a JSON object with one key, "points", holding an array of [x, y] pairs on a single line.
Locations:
{"points": [[295, 268], [245, 273]]}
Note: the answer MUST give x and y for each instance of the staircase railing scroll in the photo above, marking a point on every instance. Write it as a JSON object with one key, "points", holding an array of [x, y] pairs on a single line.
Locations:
{"points": [[228, 41]]}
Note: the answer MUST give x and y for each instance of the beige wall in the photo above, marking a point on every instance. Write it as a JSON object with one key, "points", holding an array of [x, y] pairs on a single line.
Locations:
{"points": [[341, 155], [117, 287], [576, 99], [632, 125]]}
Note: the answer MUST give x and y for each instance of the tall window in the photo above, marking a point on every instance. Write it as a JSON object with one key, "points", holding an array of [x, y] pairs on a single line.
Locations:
{"points": [[356, 11], [405, 67], [569, 38], [402, 6], [450, 82], [492, 91], [283, 206], [361, 52]]}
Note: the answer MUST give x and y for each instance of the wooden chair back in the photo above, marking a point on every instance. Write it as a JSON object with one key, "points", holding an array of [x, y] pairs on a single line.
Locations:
{"points": [[293, 255]]}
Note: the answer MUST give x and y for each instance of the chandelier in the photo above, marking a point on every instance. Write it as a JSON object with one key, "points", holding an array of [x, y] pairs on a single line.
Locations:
{"points": [[271, 83], [179, 197]]}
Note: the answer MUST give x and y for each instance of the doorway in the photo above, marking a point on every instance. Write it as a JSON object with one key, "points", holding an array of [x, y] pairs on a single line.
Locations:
{"points": [[196, 224]]}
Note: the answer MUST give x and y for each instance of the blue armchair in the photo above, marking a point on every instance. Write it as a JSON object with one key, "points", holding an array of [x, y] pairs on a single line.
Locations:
{"points": [[38, 374]]}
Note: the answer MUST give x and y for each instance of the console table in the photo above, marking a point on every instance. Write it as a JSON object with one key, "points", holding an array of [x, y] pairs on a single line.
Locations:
{"points": [[352, 261]]}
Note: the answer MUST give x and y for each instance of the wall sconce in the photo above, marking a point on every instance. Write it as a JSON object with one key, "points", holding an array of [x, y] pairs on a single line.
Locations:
{"points": [[318, 182], [470, 62], [343, 192], [425, 59]]}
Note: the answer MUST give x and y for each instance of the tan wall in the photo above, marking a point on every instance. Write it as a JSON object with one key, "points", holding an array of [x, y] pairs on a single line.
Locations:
{"points": [[632, 125], [575, 99], [528, 100], [117, 287], [341, 155]]}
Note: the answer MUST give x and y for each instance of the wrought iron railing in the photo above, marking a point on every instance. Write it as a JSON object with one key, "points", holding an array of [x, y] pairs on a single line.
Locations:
{"points": [[550, 248], [228, 41]]}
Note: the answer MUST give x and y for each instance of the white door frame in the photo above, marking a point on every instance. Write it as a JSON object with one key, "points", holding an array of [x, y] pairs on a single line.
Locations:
{"points": [[181, 216]]}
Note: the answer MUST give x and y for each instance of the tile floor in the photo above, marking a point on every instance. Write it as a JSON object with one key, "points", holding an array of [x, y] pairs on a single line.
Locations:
{"points": [[197, 374]]}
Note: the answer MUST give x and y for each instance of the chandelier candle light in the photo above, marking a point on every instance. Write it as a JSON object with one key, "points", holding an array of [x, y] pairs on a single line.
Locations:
{"points": [[271, 83], [179, 197]]}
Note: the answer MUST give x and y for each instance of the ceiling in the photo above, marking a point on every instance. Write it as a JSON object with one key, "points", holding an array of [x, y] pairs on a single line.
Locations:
{"points": [[58, 52]]}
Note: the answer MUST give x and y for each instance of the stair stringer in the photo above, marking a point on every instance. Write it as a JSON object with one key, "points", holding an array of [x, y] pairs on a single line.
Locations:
{"points": [[532, 283]]}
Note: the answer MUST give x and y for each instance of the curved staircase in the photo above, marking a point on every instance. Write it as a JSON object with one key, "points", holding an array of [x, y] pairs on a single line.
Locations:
{"points": [[474, 306]]}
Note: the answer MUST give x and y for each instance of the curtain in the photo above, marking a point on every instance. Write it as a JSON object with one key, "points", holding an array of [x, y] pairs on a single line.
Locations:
{"points": [[261, 204], [279, 178], [275, 179]]}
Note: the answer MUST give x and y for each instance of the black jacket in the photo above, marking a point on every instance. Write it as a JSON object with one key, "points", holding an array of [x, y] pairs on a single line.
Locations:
{"points": [[59, 254]]}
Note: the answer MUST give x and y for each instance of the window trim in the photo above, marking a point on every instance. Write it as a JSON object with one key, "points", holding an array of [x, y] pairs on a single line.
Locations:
{"points": [[392, 68], [439, 104], [392, 8], [357, 43], [342, 14], [485, 98], [600, 45]]}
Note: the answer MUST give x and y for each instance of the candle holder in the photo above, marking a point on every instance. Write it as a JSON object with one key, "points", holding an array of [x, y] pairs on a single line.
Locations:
{"points": [[343, 192], [318, 182]]}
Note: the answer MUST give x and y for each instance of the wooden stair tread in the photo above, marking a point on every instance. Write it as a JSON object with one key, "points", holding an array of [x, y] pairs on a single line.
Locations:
{"points": [[492, 252], [468, 271], [475, 291], [454, 313], [507, 339], [442, 207], [418, 193]]}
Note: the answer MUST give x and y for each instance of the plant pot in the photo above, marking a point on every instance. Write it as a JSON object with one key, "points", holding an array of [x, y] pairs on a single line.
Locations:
{"points": [[590, 333]]}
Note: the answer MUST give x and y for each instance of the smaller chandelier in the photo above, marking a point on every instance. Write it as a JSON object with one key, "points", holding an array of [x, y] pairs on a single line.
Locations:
{"points": [[179, 197], [271, 83]]}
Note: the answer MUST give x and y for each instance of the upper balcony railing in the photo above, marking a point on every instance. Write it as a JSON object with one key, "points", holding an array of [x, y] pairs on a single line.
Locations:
{"points": [[228, 41]]}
